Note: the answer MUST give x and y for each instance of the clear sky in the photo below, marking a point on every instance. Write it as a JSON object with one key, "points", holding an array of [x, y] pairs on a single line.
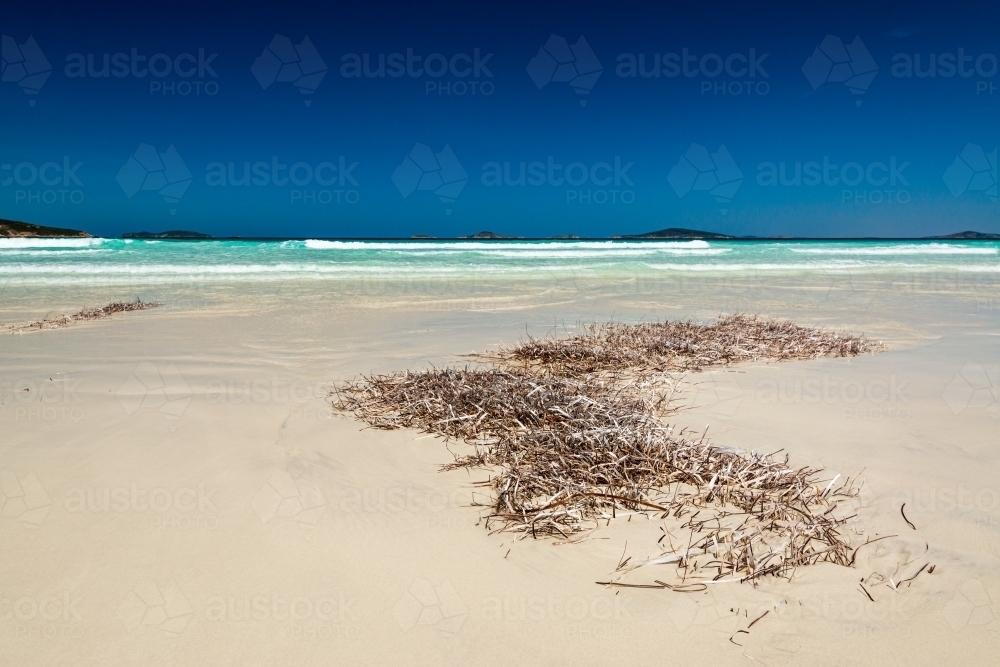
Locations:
{"points": [[366, 119]]}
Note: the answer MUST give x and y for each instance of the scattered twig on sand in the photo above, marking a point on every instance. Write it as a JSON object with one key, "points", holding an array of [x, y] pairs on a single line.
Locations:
{"points": [[908, 522], [908, 579], [84, 315], [570, 433], [854, 554]]}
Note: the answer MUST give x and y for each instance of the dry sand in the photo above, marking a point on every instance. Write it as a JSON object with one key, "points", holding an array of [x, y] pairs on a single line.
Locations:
{"points": [[247, 525]]}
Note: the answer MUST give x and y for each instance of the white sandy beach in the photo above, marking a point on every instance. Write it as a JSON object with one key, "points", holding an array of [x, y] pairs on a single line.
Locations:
{"points": [[177, 491]]}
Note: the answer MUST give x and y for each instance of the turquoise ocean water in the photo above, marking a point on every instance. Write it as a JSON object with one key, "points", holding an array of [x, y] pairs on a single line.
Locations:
{"points": [[54, 262]]}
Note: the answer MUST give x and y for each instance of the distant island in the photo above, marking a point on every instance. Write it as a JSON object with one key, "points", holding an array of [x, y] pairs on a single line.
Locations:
{"points": [[975, 236], [489, 235], [13, 229], [675, 233], [169, 234], [680, 233]]}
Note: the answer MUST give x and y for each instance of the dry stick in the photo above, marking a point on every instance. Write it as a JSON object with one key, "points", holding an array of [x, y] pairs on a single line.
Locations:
{"points": [[855, 554], [915, 575], [621, 585], [909, 523]]}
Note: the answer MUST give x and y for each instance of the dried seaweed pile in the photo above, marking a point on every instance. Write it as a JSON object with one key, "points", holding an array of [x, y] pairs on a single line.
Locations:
{"points": [[84, 315], [567, 448], [681, 346]]}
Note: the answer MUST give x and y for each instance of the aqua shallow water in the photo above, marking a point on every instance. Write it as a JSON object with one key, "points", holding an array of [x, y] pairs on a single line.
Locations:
{"points": [[110, 261]]}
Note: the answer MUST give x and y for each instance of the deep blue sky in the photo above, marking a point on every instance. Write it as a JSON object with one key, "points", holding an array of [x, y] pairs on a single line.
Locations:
{"points": [[922, 123]]}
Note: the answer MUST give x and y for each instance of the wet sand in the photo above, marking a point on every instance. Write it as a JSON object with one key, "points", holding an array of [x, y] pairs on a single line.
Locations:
{"points": [[177, 491]]}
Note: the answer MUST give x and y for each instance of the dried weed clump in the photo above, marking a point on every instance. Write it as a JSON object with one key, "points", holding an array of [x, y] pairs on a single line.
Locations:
{"points": [[568, 442], [84, 315], [681, 346]]}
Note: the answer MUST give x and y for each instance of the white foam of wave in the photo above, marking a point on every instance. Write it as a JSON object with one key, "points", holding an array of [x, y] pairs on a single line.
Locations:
{"points": [[252, 274], [909, 249], [77, 252], [18, 243], [508, 246], [566, 254], [229, 270]]}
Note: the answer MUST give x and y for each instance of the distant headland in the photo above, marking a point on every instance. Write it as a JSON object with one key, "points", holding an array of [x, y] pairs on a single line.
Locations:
{"points": [[13, 229]]}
